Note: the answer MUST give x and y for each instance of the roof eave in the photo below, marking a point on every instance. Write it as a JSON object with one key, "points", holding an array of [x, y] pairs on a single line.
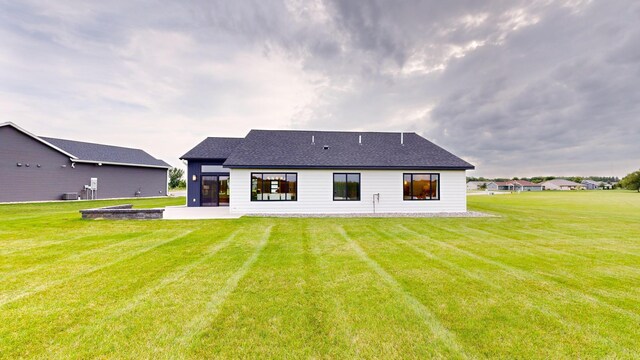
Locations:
{"points": [[120, 164], [232, 166]]}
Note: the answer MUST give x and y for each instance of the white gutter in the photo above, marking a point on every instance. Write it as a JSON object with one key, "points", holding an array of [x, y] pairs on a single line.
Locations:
{"points": [[118, 163]]}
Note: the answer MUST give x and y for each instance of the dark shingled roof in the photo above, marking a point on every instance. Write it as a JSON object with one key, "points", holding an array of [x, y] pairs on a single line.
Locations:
{"points": [[213, 148], [105, 153], [293, 149]]}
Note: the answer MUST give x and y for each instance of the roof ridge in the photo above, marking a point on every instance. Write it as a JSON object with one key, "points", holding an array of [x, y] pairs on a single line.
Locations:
{"points": [[225, 137], [92, 143], [338, 131]]}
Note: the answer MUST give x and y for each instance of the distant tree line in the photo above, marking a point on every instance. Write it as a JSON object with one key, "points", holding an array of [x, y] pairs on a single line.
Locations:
{"points": [[631, 181]]}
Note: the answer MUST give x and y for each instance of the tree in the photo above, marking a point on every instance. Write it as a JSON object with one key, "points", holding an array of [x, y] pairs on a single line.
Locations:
{"points": [[175, 177], [631, 181]]}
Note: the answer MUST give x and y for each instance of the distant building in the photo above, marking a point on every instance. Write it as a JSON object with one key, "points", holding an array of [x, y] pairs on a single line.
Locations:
{"points": [[561, 184], [514, 185], [592, 185], [476, 185], [36, 168]]}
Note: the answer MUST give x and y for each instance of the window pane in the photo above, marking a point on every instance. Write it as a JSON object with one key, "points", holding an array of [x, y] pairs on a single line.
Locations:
{"points": [[256, 186], [406, 187], [421, 188], [292, 186], [339, 186], [353, 186], [274, 187], [435, 182], [213, 168]]}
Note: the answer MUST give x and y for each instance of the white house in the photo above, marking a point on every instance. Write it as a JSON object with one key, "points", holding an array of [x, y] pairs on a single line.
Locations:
{"points": [[476, 185], [561, 184], [290, 172]]}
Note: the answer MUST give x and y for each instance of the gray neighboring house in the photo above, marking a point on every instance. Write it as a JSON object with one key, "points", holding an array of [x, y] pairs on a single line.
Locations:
{"points": [[34, 168], [591, 185]]}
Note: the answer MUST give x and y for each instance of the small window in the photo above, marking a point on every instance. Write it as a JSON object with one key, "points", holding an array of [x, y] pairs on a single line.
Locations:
{"points": [[421, 187], [213, 169], [274, 186], [346, 187]]}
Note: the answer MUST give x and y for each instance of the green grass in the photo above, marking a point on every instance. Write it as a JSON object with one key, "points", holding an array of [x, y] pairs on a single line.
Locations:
{"points": [[556, 275]]}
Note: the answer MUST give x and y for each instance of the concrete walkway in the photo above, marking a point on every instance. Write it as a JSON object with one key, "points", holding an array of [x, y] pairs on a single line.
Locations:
{"points": [[198, 213]]}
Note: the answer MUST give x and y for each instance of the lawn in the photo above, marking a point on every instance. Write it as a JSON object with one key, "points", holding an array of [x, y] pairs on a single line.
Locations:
{"points": [[555, 275]]}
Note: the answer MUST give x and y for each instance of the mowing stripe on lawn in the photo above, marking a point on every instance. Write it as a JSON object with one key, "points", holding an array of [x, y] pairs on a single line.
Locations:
{"points": [[430, 319], [161, 283], [175, 276], [426, 253], [40, 215], [556, 251], [558, 318], [630, 289], [39, 244], [615, 242], [9, 299], [524, 275], [576, 278], [100, 248], [200, 322]]}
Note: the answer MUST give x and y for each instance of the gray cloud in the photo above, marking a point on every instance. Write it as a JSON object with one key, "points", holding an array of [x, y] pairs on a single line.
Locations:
{"points": [[516, 87]]}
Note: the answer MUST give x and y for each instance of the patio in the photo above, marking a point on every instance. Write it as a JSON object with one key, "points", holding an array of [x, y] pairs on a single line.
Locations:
{"points": [[198, 213]]}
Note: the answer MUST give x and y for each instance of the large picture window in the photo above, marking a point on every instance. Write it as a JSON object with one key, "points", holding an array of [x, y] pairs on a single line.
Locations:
{"points": [[274, 186], [421, 186], [346, 187]]}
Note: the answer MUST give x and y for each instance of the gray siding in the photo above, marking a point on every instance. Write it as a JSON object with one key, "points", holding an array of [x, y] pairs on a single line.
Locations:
{"points": [[51, 179]]}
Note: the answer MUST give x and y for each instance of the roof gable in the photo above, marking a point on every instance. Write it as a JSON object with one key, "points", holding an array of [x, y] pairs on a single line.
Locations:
{"points": [[335, 149], [213, 148], [37, 138]]}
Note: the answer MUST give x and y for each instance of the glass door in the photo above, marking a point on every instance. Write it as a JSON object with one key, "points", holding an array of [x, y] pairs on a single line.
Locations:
{"points": [[209, 191], [223, 191]]}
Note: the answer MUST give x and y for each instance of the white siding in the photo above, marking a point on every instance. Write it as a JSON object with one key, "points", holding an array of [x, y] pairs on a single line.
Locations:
{"points": [[315, 193]]}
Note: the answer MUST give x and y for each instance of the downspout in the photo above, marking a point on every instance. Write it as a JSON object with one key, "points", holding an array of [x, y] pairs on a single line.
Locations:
{"points": [[186, 201]]}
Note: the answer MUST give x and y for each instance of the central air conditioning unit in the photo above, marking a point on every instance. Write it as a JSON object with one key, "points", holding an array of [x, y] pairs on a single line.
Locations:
{"points": [[70, 196]]}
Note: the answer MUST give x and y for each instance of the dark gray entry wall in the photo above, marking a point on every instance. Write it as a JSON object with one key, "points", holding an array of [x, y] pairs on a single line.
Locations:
{"points": [[194, 168], [50, 173]]}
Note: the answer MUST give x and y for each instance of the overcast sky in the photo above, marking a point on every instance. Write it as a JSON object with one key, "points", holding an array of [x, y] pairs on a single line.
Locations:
{"points": [[518, 88]]}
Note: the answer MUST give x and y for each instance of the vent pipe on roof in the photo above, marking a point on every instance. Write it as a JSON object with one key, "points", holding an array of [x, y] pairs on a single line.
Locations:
{"points": [[402, 138], [313, 140], [360, 139]]}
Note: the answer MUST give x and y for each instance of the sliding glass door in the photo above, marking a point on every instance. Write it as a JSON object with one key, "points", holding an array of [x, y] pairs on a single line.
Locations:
{"points": [[223, 191], [214, 190], [209, 191]]}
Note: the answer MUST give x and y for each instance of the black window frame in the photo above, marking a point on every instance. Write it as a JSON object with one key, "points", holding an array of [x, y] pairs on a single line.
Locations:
{"points": [[262, 190], [411, 186], [346, 188]]}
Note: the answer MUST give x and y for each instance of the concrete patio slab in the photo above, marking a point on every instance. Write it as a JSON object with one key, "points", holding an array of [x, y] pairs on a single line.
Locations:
{"points": [[198, 213]]}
